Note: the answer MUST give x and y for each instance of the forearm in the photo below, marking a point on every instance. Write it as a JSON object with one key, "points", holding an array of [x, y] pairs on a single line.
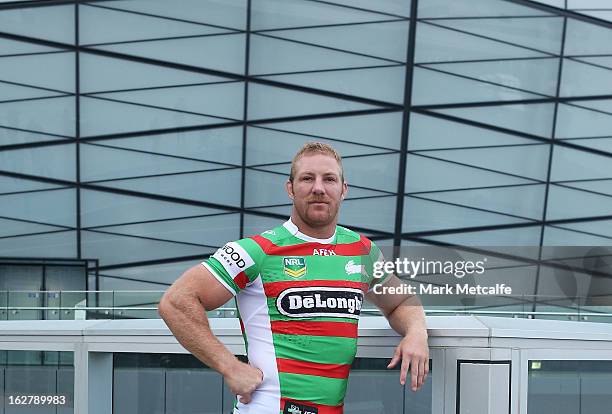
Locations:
{"points": [[408, 317], [186, 318]]}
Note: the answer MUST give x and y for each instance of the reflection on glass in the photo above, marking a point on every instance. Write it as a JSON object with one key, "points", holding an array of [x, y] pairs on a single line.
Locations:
{"points": [[37, 382], [569, 387]]}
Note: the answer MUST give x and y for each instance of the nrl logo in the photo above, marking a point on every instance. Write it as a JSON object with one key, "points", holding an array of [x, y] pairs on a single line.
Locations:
{"points": [[294, 266]]}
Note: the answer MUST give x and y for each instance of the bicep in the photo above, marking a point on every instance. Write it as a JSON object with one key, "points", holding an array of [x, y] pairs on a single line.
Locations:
{"points": [[201, 283]]}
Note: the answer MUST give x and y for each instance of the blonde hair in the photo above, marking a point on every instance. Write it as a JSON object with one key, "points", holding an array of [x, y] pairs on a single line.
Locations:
{"points": [[316, 148]]}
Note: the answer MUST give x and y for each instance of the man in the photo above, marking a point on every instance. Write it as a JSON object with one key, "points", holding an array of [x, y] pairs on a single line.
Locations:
{"points": [[299, 289]]}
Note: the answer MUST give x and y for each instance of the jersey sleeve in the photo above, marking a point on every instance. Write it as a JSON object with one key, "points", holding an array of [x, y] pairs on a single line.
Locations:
{"points": [[374, 267], [236, 264]]}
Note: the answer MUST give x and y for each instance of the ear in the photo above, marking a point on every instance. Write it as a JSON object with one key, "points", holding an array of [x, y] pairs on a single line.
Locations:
{"points": [[344, 190], [289, 189]]}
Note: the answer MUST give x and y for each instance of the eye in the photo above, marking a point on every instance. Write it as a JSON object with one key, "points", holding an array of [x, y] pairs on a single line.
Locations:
{"points": [[330, 179], [307, 178]]}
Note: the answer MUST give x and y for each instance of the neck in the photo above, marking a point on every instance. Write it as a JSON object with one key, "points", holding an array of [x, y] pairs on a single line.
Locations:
{"points": [[318, 232]]}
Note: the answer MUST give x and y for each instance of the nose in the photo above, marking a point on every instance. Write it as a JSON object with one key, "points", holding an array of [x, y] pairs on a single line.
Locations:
{"points": [[318, 187]]}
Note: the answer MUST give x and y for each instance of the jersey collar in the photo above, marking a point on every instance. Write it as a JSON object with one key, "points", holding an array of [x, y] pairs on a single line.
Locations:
{"points": [[293, 229]]}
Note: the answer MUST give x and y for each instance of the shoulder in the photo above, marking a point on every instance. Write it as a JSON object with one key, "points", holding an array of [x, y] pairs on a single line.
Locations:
{"points": [[270, 238], [348, 236]]}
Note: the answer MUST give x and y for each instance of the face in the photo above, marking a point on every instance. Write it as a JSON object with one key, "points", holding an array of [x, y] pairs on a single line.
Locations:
{"points": [[317, 189]]}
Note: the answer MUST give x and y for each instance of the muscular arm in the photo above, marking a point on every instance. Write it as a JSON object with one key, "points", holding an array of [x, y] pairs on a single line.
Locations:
{"points": [[183, 307], [406, 316]]}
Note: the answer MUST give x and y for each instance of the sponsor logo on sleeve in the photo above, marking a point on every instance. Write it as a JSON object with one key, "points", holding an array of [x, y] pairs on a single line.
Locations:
{"points": [[233, 258], [294, 266], [308, 302]]}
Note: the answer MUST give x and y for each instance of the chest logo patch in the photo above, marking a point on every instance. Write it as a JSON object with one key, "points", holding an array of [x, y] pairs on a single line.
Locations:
{"points": [[309, 302], [294, 266]]}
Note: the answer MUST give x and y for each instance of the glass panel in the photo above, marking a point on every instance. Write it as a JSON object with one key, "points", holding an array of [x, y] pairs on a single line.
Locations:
{"points": [[580, 79], [223, 145], [50, 207], [270, 102], [53, 161], [525, 200], [112, 249], [542, 34], [104, 163], [387, 40], [177, 379], [270, 14], [11, 136], [14, 92], [529, 161], [160, 276], [49, 374], [425, 174], [59, 73], [532, 75], [271, 55], [13, 47], [101, 208], [600, 186], [100, 25], [383, 84], [569, 203], [189, 186], [577, 120], [264, 189], [374, 171], [50, 23], [99, 117], [568, 387], [557, 236], [435, 44], [10, 184], [49, 115], [463, 8], [13, 228], [603, 144], [226, 13], [399, 7], [526, 236], [359, 129], [423, 215], [534, 119], [136, 304], [212, 231], [221, 100], [100, 73], [62, 244], [372, 388], [370, 213], [254, 224], [218, 52], [583, 38], [427, 132], [431, 87], [267, 146], [571, 164]]}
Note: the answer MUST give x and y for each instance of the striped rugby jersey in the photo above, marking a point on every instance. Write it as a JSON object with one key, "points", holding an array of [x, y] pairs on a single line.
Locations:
{"points": [[299, 300]]}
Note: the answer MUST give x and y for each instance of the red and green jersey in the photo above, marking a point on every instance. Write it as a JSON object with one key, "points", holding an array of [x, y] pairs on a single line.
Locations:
{"points": [[299, 300]]}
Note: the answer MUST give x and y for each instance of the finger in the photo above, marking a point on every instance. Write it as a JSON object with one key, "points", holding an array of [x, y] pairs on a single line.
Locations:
{"points": [[395, 359], [414, 373], [404, 370], [245, 399], [422, 374]]}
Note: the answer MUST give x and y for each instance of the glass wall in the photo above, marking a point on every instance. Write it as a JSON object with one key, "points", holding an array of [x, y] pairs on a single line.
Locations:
{"points": [[155, 133], [180, 384], [36, 382], [569, 387]]}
